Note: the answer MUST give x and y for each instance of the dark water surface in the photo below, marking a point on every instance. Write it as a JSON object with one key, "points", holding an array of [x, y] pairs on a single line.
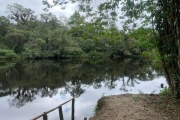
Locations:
{"points": [[29, 88]]}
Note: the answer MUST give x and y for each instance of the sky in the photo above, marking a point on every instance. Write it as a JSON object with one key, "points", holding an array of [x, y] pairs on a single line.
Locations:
{"points": [[37, 6]]}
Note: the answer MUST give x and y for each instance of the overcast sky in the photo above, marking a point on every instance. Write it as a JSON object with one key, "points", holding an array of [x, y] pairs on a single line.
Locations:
{"points": [[37, 6]]}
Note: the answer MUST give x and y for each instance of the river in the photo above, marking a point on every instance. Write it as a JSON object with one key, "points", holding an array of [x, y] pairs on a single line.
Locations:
{"points": [[31, 87]]}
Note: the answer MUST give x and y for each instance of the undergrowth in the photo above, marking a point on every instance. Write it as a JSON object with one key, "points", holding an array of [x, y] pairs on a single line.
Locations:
{"points": [[96, 108], [165, 92]]}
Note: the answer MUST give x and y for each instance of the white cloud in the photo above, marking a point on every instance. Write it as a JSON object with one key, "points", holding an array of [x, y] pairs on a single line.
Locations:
{"points": [[70, 8]]}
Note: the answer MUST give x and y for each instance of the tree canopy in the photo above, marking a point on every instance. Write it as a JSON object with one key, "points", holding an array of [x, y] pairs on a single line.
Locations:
{"points": [[46, 36]]}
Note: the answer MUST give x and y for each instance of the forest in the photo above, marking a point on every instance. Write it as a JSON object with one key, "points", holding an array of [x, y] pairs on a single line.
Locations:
{"points": [[26, 35]]}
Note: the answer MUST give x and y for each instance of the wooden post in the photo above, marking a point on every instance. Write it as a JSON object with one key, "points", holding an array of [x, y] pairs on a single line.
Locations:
{"points": [[162, 85], [73, 100], [61, 113], [45, 116]]}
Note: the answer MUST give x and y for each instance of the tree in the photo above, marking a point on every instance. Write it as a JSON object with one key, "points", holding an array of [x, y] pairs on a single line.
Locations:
{"points": [[20, 14], [167, 24], [16, 38], [163, 15], [76, 22], [7, 54], [50, 20], [4, 24]]}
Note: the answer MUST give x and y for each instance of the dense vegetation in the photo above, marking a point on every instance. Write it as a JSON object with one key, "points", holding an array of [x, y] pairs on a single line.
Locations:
{"points": [[29, 35]]}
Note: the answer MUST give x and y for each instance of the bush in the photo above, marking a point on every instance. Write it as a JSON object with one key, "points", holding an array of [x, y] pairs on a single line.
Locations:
{"points": [[165, 92], [95, 54], [8, 54]]}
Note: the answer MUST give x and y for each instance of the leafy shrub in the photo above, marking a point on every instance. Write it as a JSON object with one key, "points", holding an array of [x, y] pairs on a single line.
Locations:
{"points": [[8, 54], [95, 54], [165, 92]]}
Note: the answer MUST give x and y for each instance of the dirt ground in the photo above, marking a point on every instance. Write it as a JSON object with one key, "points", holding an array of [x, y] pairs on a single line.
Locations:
{"points": [[137, 107]]}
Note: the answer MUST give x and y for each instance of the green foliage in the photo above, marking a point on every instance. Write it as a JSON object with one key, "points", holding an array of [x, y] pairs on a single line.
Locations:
{"points": [[145, 38], [76, 20], [96, 109], [96, 55], [50, 37], [16, 38], [2, 46], [4, 24], [20, 14], [7, 65], [165, 92], [7, 54]]}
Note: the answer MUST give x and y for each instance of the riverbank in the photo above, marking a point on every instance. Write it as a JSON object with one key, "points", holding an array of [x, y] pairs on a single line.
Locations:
{"points": [[137, 107]]}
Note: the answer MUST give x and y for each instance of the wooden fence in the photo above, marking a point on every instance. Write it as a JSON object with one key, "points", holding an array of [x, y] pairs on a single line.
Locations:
{"points": [[45, 116]]}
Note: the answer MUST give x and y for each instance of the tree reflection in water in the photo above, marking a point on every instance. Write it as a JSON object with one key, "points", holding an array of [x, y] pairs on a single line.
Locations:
{"points": [[25, 81], [22, 95]]}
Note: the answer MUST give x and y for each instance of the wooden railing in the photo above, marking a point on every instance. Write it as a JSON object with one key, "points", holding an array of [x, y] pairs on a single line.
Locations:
{"points": [[45, 116]]}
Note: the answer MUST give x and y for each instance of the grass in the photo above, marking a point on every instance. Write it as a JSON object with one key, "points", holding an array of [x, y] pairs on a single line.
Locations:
{"points": [[165, 92], [136, 98], [166, 103], [96, 108]]}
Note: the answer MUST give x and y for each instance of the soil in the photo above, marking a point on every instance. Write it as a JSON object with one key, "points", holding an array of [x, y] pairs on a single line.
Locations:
{"points": [[137, 107]]}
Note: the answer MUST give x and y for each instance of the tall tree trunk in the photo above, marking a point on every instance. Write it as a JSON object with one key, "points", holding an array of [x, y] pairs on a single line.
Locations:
{"points": [[168, 43]]}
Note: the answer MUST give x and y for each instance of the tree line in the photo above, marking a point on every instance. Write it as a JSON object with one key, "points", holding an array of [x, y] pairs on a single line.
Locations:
{"points": [[27, 35]]}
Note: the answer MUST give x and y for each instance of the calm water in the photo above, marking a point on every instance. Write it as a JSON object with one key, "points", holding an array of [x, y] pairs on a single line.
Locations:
{"points": [[29, 88]]}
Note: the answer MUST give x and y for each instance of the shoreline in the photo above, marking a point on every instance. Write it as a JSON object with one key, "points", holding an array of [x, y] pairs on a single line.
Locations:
{"points": [[137, 107]]}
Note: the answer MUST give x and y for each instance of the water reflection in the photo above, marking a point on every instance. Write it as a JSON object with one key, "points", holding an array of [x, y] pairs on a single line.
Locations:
{"points": [[43, 78], [22, 95], [27, 81]]}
